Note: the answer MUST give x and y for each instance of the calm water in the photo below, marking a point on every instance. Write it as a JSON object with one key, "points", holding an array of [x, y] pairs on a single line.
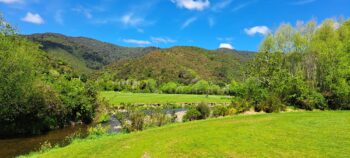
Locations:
{"points": [[18, 146]]}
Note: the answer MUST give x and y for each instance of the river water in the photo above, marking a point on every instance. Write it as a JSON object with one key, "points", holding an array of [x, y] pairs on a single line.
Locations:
{"points": [[13, 147]]}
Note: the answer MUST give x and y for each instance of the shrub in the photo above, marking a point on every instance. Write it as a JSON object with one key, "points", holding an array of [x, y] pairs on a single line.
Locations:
{"points": [[204, 110], [240, 105], [271, 104], [220, 111], [97, 130], [159, 118], [192, 114], [137, 119], [104, 117]]}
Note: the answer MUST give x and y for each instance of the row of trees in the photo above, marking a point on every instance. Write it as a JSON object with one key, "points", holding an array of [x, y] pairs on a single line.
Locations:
{"points": [[151, 86], [38, 93]]}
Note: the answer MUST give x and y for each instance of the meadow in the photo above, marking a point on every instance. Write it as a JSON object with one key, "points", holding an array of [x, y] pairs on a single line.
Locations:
{"points": [[116, 98], [295, 134]]}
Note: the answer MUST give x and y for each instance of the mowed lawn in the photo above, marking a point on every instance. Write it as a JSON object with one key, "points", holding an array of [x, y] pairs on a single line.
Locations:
{"points": [[116, 98], [298, 134]]}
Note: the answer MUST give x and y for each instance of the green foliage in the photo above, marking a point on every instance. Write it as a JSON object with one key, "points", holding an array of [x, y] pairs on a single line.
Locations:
{"points": [[241, 105], [79, 98], [271, 104], [220, 111], [136, 121], [204, 110], [98, 130], [183, 65], [169, 87], [38, 93], [307, 66], [84, 54], [159, 118], [191, 115]]}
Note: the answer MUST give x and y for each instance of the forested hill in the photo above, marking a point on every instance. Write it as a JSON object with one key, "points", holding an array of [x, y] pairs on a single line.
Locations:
{"points": [[183, 64], [85, 54]]}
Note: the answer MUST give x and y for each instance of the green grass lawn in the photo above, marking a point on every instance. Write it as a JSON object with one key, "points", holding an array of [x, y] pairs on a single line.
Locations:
{"points": [[116, 98], [298, 134]]}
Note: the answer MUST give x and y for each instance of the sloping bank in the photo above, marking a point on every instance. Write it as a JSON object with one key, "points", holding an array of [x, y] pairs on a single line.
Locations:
{"points": [[299, 134]]}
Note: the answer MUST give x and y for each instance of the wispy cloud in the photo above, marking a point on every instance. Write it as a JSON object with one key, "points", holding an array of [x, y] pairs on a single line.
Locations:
{"points": [[188, 22], [225, 39], [221, 5], [211, 21], [264, 30], [11, 1], [138, 42], [192, 4], [33, 18], [59, 17], [83, 10], [243, 5], [302, 2], [162, 40], [130, 19]]}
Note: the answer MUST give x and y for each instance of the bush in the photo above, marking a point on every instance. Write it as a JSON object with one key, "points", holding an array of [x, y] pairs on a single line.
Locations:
{"points": [[204, 110], [97, 130], [241, 105], [192, 114], [137, 119], [220, 111], [158, 118], [271, 104]]}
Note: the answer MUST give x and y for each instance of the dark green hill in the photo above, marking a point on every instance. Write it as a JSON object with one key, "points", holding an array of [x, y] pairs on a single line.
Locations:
{"points": [[84, 54], [183, 64]]}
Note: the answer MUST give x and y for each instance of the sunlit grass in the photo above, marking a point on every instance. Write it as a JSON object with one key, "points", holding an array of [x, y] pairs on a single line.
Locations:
{"points": [[299, 134]]}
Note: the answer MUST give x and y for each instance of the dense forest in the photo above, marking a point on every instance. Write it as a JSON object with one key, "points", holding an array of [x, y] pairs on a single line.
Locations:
{"points": [[84, 54]]}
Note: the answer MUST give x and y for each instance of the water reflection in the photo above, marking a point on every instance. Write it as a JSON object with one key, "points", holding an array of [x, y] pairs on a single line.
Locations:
{"points": [[18, 146]]}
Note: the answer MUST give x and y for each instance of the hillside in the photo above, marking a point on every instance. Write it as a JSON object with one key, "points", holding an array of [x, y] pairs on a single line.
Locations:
{"points": [[84, 54], [296, 134], [183, 64]]}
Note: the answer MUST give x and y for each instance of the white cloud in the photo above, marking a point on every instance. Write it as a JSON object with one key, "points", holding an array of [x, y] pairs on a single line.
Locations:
{"points": [[11, 1], [192, 4], [162, 40], [221, 5], [33, 18], [188, 22], [226, 45], [264, 30], [138, 42], [302, 2]]}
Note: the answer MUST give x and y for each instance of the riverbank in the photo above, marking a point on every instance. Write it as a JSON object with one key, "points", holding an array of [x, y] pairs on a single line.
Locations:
{"points": [[295, 134]]}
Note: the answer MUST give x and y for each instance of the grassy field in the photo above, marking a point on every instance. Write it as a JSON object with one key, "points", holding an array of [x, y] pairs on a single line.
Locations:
{"points": [[116, 98], [299, 134]]}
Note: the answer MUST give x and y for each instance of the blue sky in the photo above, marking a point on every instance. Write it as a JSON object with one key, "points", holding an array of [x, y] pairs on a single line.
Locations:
{"points": [[241, 24]]}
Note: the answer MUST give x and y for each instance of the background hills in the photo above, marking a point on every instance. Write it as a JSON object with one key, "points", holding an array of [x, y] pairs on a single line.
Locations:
{"points": [[181, 64]]}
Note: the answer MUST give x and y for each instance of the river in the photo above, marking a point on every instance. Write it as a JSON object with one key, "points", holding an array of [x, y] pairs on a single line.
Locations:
{"points": [[12, 147]]}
